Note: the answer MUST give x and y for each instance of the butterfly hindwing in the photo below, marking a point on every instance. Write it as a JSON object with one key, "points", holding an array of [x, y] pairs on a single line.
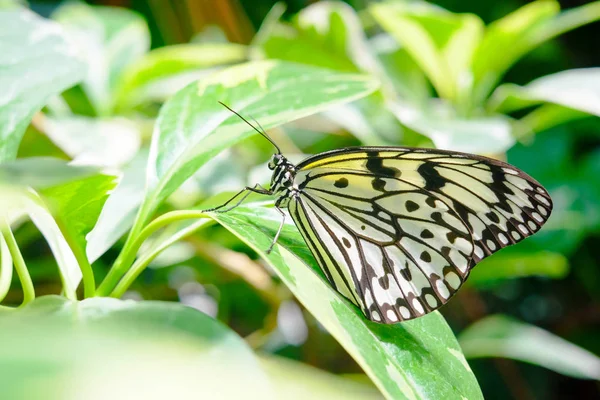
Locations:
{"points": [[397, 230]]}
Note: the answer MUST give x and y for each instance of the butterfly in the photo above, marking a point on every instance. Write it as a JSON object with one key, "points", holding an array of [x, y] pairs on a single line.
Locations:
{"points": [[396, 230]]}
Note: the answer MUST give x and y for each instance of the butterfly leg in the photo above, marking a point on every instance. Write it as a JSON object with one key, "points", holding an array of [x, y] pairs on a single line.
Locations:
{"points": [[277, 203], [248, 190]]}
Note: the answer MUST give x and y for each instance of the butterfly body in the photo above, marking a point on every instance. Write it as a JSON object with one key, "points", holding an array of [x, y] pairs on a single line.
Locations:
{"points": [[397, 230]]}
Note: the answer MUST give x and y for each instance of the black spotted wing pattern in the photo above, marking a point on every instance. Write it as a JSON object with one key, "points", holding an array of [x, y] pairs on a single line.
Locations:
{"points": [[397, 230]]}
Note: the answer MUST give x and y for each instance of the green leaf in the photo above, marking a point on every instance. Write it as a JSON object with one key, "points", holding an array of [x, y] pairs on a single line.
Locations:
{"points": [[404, 73], [162, 72], [119, 211], [483, 135], [41, 172], [145, 350], [193, 127], [501, 336], [324, 34], [577, 89], [418, 359], [441, 43], [30, 42], [77, 206], [295, 380], [110, 39], [512, 264], [506, 40], [109, 142], [330, 35]]}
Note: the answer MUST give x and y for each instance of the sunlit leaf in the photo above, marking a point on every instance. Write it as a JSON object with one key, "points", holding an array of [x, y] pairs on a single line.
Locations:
{"points": [[512, 264], [41, 172], [483, 135], [501, 336], [77, 205], [162, 72], [119, 211], [94, 141], [441, 43], [578, 89], [418, 359], [28, 43], [298, 381], [149, 350], [110, 38], [193, 127]]}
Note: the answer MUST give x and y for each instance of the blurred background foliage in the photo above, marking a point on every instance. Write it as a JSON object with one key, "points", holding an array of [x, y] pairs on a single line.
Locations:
{"points": [[517, 305]]}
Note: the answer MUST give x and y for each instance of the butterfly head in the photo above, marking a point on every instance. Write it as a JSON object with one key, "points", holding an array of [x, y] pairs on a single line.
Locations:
{"points": [[283, 173]]}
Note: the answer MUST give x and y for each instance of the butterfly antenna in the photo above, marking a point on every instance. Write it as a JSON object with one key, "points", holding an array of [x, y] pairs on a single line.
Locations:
{"points": [[261, 130]]}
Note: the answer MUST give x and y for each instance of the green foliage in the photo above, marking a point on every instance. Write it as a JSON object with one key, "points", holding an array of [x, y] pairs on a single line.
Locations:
{"points": [[400, 73], [418, 359], [26, 87]]}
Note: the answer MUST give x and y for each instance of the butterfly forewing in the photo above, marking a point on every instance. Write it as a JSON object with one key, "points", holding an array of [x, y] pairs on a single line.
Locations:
{"points": [[396, 231]]}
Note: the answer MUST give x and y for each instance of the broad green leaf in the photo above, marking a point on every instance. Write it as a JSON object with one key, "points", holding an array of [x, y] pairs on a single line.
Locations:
{"points": [[119, 211], [193, 127], [330, 35], [578, 89], [483, 135], [326, 34], [149, 350], [511, 37], [109, 142], [512, 264], [77, 205], [162, 72], [505, 41], [501, 336], [297, 381], [110, 39], [41, 172], [404, 73], [440, 42], [28, 42], [418, 359]]}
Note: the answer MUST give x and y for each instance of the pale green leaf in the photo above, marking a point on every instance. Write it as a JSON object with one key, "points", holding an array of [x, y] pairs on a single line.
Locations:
{"points": [[109, 142], [578, 89], [193, 127], [418, 359], [29, 42], [119, 211], [77, 205], [41, 172], [441, 43], [501, 336], [505, 41], [110, 38], [162, 72], [57, 349], [297, 381], [482, 135]]}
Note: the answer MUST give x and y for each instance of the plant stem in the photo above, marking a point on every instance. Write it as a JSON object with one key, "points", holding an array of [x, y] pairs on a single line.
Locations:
{"points": [[6, 268], [19, 262], [89, 282], [141, 264], [126, 258]]}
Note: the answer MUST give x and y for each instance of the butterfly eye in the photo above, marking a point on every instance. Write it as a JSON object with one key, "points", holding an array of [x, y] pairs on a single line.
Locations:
{"points": [[273, 162]]}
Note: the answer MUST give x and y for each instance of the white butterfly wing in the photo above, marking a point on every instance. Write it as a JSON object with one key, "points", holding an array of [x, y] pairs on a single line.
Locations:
{"points": [[396, 231]]}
